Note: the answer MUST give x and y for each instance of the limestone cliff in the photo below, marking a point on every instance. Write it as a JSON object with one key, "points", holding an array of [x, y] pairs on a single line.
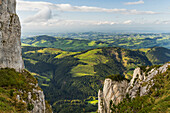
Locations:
{"points": [[142, 80], [140, 84], [10, 31], [10, 57], [112, 90]]}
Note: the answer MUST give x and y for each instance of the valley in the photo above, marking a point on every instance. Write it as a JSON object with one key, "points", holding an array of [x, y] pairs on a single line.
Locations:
{"points": [[88, 56], [71, 79]]}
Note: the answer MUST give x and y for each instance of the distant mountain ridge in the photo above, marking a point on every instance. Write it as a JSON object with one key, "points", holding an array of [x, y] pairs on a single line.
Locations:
{"points": [[80, 44]]}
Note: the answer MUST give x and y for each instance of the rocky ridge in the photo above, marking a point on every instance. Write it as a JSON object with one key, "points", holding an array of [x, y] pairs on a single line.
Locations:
{"points": [[142, 80], [10, 32], [140, 85]]}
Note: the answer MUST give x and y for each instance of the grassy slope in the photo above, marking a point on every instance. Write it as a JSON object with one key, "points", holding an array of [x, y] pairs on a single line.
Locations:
{"points": [[11, 84], [158, 55], [9, 87], [78, 75]]}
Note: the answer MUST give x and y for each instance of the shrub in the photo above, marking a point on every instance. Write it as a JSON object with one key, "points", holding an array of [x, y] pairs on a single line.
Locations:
{"points": [[30, 106], [116, 77]]}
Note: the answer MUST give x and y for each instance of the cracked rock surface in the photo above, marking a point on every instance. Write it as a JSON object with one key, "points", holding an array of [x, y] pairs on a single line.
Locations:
{"points": [[140, 85], [10, 32]]}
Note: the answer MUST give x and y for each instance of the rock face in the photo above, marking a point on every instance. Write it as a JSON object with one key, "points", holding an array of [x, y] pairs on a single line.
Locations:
{"points": [[140, 84], [100, 102], [112, 90], [143, 81], [10, 53], [39, 103], [36, 98], [10, 31]]}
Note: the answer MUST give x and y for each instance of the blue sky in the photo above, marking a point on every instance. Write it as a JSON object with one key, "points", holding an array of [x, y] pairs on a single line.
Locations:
{"points": [[94, 15]]}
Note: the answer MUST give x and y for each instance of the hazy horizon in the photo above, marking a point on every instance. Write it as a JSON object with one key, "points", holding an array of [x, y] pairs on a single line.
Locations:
{"points": [[98, 16]]}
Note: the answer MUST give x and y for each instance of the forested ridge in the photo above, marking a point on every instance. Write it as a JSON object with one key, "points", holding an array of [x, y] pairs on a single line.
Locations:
{"points": [[71, 80]]}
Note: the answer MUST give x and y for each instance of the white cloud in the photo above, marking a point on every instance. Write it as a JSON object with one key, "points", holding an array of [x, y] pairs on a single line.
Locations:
{"points": [[166, 22], [44, 10], [62, 23], [105, 23], [43, 15], [135, 3], [34, 6], [127, 22], [44, 18], [161, 22]]}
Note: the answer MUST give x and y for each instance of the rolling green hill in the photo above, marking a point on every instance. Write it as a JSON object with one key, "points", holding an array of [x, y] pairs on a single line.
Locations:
{"points": [[63, 43], [158, 55], [81, 44], [71, 80]]}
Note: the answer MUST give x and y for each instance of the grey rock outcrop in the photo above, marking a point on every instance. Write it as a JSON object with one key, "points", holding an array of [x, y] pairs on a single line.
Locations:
{"points": [[36, 98], [39, 102], [10, 32], [112, 90], [140, 85], [100, 101], [142, 81]]}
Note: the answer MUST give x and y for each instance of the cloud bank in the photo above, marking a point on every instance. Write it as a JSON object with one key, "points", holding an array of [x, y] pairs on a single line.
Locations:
{"points": [[135, 3], [44, 10], [41, 15]]}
